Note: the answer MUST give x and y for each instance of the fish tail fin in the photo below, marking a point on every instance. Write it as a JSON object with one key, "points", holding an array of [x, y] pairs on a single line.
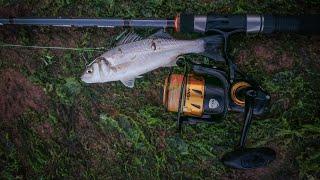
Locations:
{"points": [[212, 45]]}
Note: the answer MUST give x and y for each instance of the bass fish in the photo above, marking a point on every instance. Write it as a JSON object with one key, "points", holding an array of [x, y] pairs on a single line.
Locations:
{"points": [[134, 56]]}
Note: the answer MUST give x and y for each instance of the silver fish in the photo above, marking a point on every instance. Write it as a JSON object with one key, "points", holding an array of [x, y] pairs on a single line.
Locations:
{"points": [[134, 56]]}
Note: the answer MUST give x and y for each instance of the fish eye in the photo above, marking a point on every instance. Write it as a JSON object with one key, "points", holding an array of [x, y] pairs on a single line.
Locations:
{"points": [[89, 71]]}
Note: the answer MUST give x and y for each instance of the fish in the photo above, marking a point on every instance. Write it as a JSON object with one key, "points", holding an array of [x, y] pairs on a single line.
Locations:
{"points": [[133, 56]]}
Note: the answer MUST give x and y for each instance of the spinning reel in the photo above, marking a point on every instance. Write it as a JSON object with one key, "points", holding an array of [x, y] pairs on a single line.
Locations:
{"points": [[206, 94]]}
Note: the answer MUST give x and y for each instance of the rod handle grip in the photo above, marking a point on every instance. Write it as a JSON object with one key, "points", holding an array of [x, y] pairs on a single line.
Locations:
{"points": [[265, 24], [304, 24]]}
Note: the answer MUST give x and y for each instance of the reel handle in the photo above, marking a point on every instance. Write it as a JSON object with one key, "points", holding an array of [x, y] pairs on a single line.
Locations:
{"points": [[248, 158], [249, 105]]}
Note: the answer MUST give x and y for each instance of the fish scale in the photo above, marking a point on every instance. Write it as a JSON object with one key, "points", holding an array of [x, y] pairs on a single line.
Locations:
{"points": [[115, 55]]}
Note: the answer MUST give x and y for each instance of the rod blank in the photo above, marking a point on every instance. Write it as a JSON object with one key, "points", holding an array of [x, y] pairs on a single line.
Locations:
{"points": [[68, 22]]}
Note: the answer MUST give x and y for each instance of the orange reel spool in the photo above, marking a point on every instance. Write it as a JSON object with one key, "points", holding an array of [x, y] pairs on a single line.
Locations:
{"points": [[192, 97]]}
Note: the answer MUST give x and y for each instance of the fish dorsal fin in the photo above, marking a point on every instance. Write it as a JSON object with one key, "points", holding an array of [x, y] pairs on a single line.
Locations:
{"points": [[128, 38], [128, 82], [161, 34]]}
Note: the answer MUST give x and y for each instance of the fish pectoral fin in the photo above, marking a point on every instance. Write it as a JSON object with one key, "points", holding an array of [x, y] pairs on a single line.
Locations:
{"points": [[129, 82], [161, 34]]}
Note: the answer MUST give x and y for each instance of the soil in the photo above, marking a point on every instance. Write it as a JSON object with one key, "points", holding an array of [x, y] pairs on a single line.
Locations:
{"points": [[44, 130], [263, 52], [266, 57], [94, 141], [18, 94], [15, 11]]}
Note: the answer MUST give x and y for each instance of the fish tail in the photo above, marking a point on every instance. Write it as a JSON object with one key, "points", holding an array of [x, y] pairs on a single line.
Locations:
{"points": [[212, 45]]}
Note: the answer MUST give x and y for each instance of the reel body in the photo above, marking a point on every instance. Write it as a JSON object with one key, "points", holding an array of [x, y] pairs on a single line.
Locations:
{"points": [[207, 95]]}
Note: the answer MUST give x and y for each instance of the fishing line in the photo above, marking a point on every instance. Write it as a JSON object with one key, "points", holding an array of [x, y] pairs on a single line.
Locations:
{"points": [[97, 49]]}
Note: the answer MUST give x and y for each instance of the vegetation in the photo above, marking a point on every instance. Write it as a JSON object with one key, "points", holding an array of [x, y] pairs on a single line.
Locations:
{"points": [[109, 131]]}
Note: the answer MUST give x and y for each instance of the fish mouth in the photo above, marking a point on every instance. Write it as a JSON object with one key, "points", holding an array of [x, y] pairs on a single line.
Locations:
{"points": [[83, 79], [87, 82]]}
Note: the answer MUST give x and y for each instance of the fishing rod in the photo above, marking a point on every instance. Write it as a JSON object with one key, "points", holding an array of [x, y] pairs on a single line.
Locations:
{"points": [[264, 24]]}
